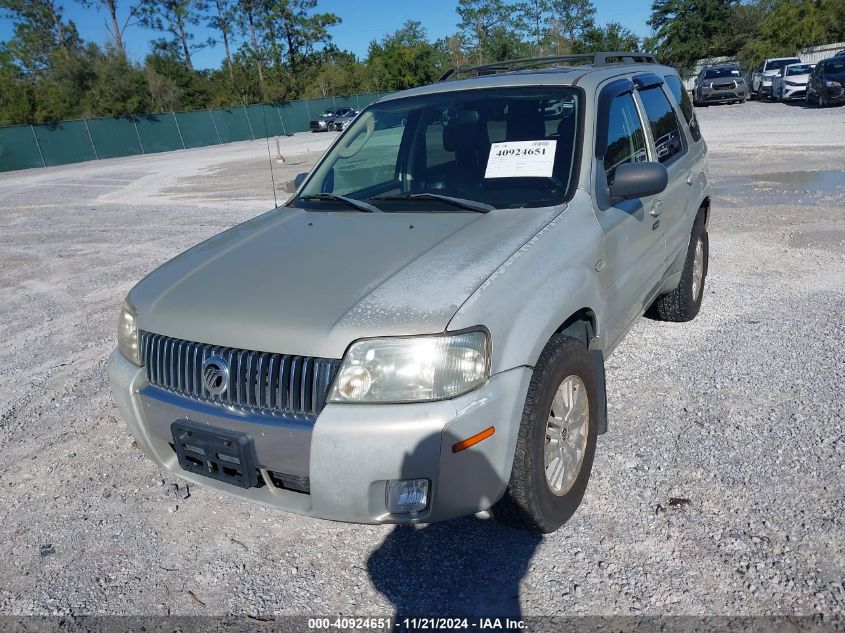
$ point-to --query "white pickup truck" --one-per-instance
(763, 75)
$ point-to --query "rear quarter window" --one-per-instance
(681, 98)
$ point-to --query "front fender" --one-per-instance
(553, 276)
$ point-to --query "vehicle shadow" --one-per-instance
(464, 567)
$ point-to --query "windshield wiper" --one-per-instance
(351, 202)
(463, 203)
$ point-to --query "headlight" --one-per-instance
(412, 369)
(831, 84)
(127, 333)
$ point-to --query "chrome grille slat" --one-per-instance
(265, 382)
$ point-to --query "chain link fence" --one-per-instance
(64, 142)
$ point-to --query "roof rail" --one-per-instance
(596, 59)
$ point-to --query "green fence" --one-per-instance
(48, 144)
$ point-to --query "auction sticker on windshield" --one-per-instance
(521, 159)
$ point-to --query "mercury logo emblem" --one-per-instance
(215, 375)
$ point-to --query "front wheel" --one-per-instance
(556, 441)
(684, 302)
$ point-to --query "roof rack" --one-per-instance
(596, 59)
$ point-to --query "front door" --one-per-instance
(633, 239)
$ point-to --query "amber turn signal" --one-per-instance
(473, 440)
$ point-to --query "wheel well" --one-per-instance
(580, 325)
(705, 206)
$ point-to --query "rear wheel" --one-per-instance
(556, 441)
(684, 302)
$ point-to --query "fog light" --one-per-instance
(407, 496)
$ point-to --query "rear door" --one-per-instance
(634, 244)
(670, 149)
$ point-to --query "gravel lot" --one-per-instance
(740, 412)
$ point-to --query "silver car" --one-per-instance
(421, 331)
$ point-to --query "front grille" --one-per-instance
(276, 384)
(726, 86)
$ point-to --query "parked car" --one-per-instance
(827, 82)
(761, 77)
(327, 118)
(791, 82)
(342, 122)
(421, 331)
(720, 84)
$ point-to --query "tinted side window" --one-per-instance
(673, 82)
(663, 122)
(625, 136)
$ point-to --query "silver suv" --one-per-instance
(421, 331)
(720, 84)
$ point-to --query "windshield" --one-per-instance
(327, 114)
(777, 64)
(719, 73)
(835, 67)
(504, 147)
(801, 69)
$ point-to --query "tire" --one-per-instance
(684, 302)
(529, 503)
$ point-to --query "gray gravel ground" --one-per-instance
(739, 412)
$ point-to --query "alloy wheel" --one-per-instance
(566, 435)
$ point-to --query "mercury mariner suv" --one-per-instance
(421, 331)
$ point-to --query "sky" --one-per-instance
(362, 21)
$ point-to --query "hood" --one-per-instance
(798, 79)
(309, 283)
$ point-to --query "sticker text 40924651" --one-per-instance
(521, 159)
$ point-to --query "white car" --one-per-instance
(791, 82)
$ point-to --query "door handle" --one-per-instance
(655, 209)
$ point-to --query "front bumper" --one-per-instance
(793, 92)
(351, 451)
(712, 95)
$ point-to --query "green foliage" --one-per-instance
(404, 59)
(279, 50)
(794, 24)
(611, 37)
(687, 30)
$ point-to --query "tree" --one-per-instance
(535, 16)
(570, 19)
(248, 16)
(490, 27)
(39, 32)
(175, 18)
(304, 31)
(405, 58)
(794, 24)
(221, 20)
(688, 30)
(115, 27)
(118, 87)
(610, 37)
(17, 99)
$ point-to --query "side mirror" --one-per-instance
(300, 178)
(638, 180)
